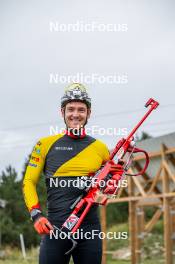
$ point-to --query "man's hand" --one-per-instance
(116, 172)
(42, 225)
(112, 185)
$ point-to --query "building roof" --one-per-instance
(154, 145)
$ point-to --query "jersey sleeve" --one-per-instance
(32, 175)
(103, 151)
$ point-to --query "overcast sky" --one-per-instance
(133, 41)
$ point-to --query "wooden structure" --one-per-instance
(157, 190)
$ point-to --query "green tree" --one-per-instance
(15, 218)
(143, 136)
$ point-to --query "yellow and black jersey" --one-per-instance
(62, 158)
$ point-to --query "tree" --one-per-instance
(143, 136)
(15, 218)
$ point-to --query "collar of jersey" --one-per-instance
(70, 134)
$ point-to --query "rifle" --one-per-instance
(85, 201)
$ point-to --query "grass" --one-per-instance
(152, 248)
(14, 256)
(109, 261)
(152, 245)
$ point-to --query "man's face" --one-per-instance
(75, 114)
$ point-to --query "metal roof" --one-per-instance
(154, 144)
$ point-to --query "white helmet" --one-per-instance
(75, 92)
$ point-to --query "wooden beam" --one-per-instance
(155, 180)
(122, 190)
(155, 154)
(150, 203)
(165, 164)
(169, 151)
(132, 222)
(169, 156)
(139, 186)
(149, 226)
(139, 198)
(145, 176)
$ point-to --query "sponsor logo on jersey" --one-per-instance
(39, 143)
(34, 158)
(37, 150)
(64, 148)
(32, 165)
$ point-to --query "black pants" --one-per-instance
(87, 251)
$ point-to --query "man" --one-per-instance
(66, 157)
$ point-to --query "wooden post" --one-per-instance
(140, 232)
(103, 226)
(142, 221)
(173, 231)
(132, 222)
(167, 217)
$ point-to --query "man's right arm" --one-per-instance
(31, 178)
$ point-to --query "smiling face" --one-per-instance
(75, 114)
